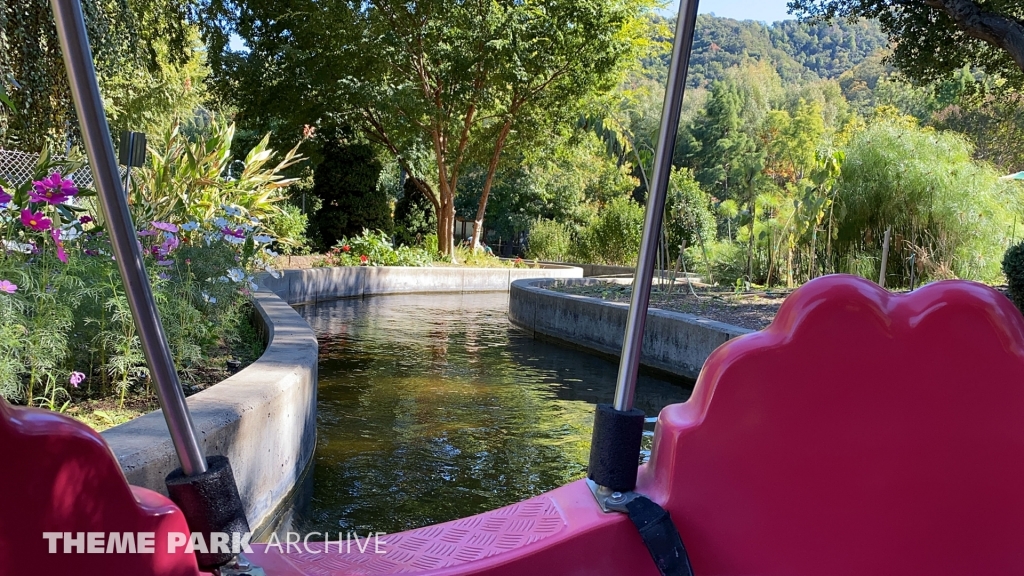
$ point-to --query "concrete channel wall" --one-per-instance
(673, 342)
(323, 284)
(264, 418)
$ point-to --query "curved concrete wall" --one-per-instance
(263, 418)
(673, 342)
(312, 285)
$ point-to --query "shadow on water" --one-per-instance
(433, 407)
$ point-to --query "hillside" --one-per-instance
(800, 52)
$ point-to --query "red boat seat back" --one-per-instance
(61, 477)
(861, 433)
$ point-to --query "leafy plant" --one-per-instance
(1013, 269)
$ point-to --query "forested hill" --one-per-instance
(799, 51)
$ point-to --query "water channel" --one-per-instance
(434, 407)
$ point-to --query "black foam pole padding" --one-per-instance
(615, 447)
(210, 503)
(660, 536)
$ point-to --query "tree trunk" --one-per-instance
(750, 242)
(492, 169)
(446, 227)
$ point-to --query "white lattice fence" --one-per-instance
(18, 167)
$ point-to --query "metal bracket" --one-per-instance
(240, 566)
(608, 500)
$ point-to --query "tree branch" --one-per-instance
(996, 29)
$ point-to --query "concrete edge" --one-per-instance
(263, 418)
(674, 342)
(312, 285)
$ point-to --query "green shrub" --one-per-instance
(613, 237)
(1013, 269)
(374, 249)
(953, 212)
(549, 240)
(346, 183)
(414, 216)
(688, 215)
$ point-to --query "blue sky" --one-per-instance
(764, 10)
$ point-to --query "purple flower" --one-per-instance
(52, 190)
(169, 245)
(147, 233)
(76, 379)
(8, 287)
(165, 262)
(4, 196)
(61, 255)
(165, 227)
(163, 276)
(35, 220)
(236, 232)
(89, 252)
(85, 219)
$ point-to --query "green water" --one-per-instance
(433, 407)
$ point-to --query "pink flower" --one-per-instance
(76, 379)
(164, 227)
(169, 244)
(8, 286)
(35, 220)
(61, 255)
(52, 190)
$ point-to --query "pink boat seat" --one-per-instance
(62, 477)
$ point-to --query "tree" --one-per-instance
(346, 183)
(720, 143)
(440, 84)
(145, 58)
(935, 38)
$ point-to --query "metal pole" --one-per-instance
(632, 343)
(74, 44)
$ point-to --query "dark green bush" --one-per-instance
(1013, 269)
(414, 216)
(346, 183)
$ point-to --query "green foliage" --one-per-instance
(346, 184)
(934, 40)
(193, 179)
(289, 228)
(66, 331)
(146, 58)
(415, 217)
(374, 248)
(952, 212)
(489, 75)
(1013, 269)
(688, 220)
(613, 237)
(549, 240)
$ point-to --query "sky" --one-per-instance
(764, 10)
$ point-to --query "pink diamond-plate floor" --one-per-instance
(440, 546)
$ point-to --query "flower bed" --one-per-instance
(67, 338)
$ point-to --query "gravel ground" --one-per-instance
(749, 310)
